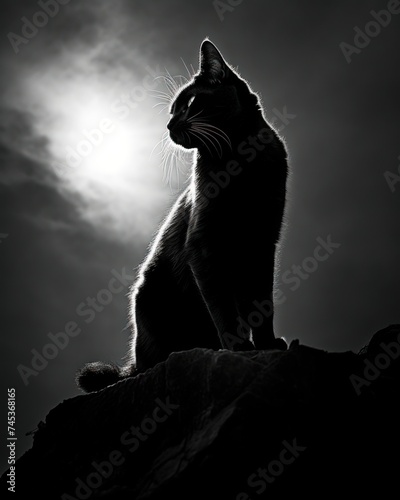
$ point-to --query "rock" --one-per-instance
(228, 425)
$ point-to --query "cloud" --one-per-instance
(63, 92)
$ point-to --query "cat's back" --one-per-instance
(168, 246)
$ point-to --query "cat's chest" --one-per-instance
(214, 220)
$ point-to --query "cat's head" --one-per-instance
(206, 110)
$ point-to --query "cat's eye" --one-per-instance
(190, 101)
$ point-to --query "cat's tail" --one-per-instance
(96, 376)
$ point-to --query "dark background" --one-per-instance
(67, 230)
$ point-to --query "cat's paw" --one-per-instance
(279, 344)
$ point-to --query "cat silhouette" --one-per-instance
(208, 277)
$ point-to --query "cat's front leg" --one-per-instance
(255, 300)
(217, 293)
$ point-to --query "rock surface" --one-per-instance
(228, 425)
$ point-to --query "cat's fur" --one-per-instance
(210, 270)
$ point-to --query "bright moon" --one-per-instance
(100, 146)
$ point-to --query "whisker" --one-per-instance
(199, 135)
(211, 132)
(171, 88)
(214, 130)
(162, 142)
(165, 99)
(172, 81)
(183, 78)
(189, 120)
(187, 69)
(164, 107)
(160, 94)
(188, 137)
(169, 76)
(168, 94)
(213, 140)
(173, 162)
(161, 104)
(209, 129)
(217, 129)
(167, 164)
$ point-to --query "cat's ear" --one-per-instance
(212, 64)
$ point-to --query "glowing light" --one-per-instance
(103, 159)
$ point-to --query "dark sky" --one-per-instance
(65, 233)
